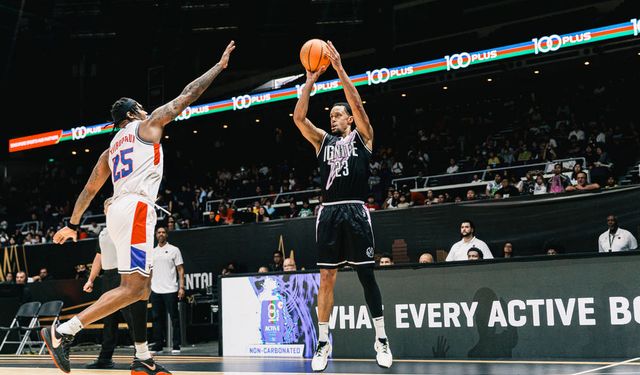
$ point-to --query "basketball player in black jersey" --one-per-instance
(344, 234)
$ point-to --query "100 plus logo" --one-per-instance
(323, 86)
(636, 26)
(554, 42)
(190, 111)
(82, 132)
(382, 75)
(245, 101)
(464, 59)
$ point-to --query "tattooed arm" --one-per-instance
(151, 128)
(99, 176)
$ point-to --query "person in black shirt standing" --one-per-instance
(344, 234)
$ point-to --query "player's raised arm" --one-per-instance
(313, 134)
(353, 98)
(151, 128)
(99, 176)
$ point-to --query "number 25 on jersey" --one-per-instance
(122, 166)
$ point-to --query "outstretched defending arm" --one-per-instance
(151, 128)
(313, 134)
(353, 98)
(99, 176)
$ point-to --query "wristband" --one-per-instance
(73, 226)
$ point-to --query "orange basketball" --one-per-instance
(314, 54)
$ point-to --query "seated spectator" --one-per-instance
(430, 197)
(540, 187)
(42, 276)
(425, 258)
(453, 167)
(551, 251)
(577, 168)
(493, 160)
(393, 201)
(82, 273)
(525, 154)
(507, 190)
(582, 184)
(269, 207)
(9, 278)
(471, 195)
(276, 266)
(94, 229)
(305, 210)
(611, 183)
(494, 185)
(459, 249)
(474, 254)
(507, 250)
(558, 183)
(526, 187)
(262, 215)
(263, 269)
(289, 265)
(403, 202)
(386, 260)
(293, 210)
(371, 203)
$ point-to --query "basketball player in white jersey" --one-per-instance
(134, 163)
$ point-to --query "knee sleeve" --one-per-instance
(371, 290)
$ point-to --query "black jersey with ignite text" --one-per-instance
(344, 168)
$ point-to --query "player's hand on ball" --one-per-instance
(224, 60)
(88, 287)
(334, 56)
(64, 234)
(313, 76)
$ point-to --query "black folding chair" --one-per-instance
(26, 317)
(50, 311)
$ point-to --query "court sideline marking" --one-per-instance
(608, 366)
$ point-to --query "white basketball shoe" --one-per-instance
(321, 357)
(383, 353)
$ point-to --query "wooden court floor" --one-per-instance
(201, 365)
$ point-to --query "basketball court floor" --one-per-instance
(202, 365)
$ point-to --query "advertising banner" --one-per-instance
(541, 307)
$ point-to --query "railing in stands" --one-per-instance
(279, 200)
(465, 177)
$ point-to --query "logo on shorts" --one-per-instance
(370, 252)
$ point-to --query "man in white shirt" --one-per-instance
(616, 239)
(167, 287)
(459, 249)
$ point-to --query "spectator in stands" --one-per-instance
(540, 187)
(453, 166)
(9, 278)
(393, 201)
(403, 202)
(263, 269)
(474, 254)
(262, 215)
(459, 249)
(494, 160)
(577, 132)
(611, 183)
(525, 154)
(471, 195)
(171, 224)
(507, 190)
(305, 211)
(386, 260)
(615, 238)
(268, 207)
(371, 204)
(276, 266)
(21, 277)
(507, 250)
(430, 197)
(577, 168)
(229, 269)
(289, 265)
(527, 186)
(551, 251)
(425, 258)
(582, 184)
(81, 272)
(397, 169)
(42, 276)
(494, 186)
(558, 183)
(293, 210)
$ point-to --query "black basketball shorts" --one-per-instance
(344, 235)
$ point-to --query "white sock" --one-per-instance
(70, 327)
(142, 350)
(323, 331)
(378, 324)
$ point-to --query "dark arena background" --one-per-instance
(520, 117)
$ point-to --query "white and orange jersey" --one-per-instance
(136, 165)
